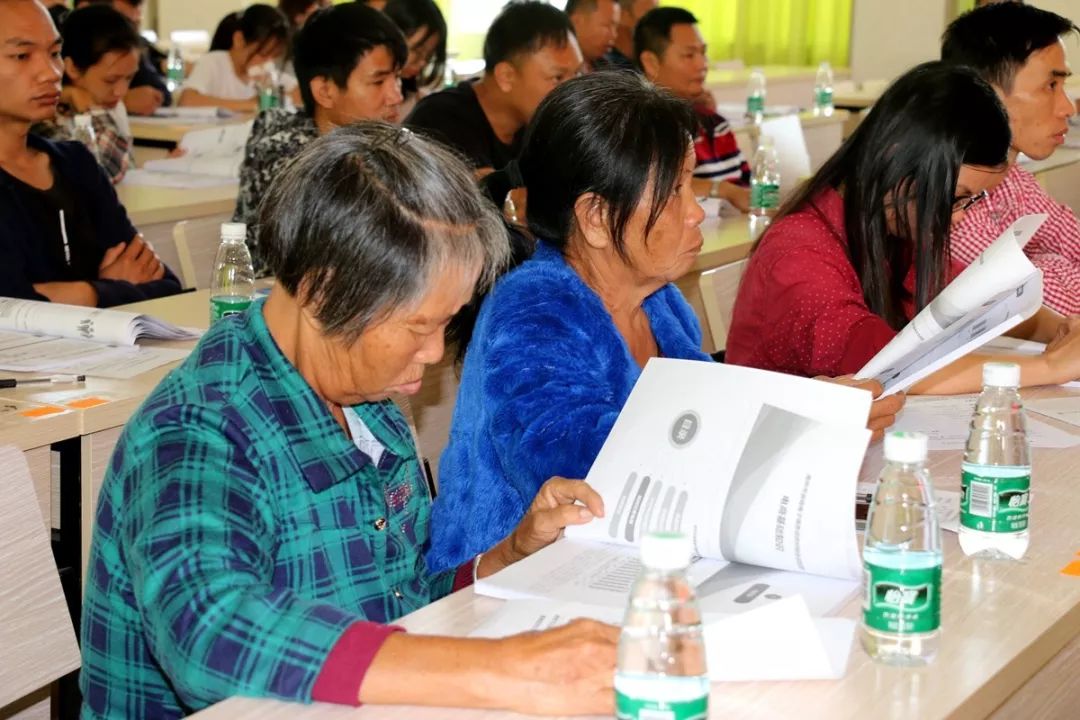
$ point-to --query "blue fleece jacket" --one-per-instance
(545, 376)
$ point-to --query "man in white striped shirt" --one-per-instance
(1018, 49)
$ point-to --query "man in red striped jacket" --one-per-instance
(1018, 49)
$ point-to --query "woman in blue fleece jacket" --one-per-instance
(560, 340)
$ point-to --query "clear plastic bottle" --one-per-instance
(232, 286)
(266, 86)
(902, 558)
(84, 133)
(764, 187)
(661, 673)
(174, 69)
(996, 472)
(823, 90)
(755, 96)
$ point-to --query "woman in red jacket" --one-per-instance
(864, 244)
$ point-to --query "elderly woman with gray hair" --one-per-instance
(264, 515)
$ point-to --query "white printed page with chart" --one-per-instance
(996, 292)
(758, 468)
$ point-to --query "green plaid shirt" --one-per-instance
(240, 532)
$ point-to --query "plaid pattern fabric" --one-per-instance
(113, 150)
(240, 532)
(1055, 248)
(277, 136)
(718, 154)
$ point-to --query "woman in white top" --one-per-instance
(244, 43)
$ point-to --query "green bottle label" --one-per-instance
(221, 307)
(904, 600)
(755, 104)
(630, 708)
(764, 195)
(994, 499)
(267, 99)
(823, 98)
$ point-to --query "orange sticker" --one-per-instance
(1072, 568)
(85, 403)
(43, 411)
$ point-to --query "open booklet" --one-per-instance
(112, 327)
(758, 468)
(216, 151)
(998, 291)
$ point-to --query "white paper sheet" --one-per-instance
(947, 420)
(20, 352)
(142, 177)
(999, 290)
(113, 327)
(1066, 409)
(787, 134)
(738, 648)
(191, 114)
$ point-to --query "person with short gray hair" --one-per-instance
(265, 514)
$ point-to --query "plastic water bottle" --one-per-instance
(266, 86)
(823, 90)
(902, 558)
(764, 187)
(232, 286)
(174, 69)
(84, 133)
(661, 673)
(996, 472)
(755, 96)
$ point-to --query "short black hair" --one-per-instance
(996, 40)
(653, 30)
(93, 31)
(260, 24)
(524, 27)
(292, 8)
(413, 15)
(367, 216)
(335, 39)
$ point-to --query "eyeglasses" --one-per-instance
(965, 202)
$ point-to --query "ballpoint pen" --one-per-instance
(53, 379)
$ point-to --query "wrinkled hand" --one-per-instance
(1062, 354)
(569, 670)
(553, 509)
(883, 410)
(135, 261)
(143, 100)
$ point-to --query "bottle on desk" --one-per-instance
(174, 69)
(661, 672)
(823, 90)
(755, 96)
(764, 187)
(996, 472)
(902, 558)
(84, 133)
(267, 86)
(232, 286)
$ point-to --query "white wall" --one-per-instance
(192, 14)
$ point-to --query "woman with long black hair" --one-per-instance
(864, 244)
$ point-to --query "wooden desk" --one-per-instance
(161, 131)
(156, 210)
(856, 96)
(785, 84)
(1009, 647)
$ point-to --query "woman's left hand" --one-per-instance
(558, 504)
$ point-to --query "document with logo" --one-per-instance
(758, 468)
(998, 291)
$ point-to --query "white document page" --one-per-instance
(996, 292)
(786, 132)
(191, 114)
(180, 180)
(113, 327)
(947, 420)
(1066, 409)
(755, 467)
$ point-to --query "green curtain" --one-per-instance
(759, 32)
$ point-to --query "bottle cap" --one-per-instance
(233, 231)
(1001, 374)
(905, 447)
(666, 551)
(83, 120)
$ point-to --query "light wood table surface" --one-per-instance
(785, 84)
(148, 206)
(172, 130)
(1009, 646)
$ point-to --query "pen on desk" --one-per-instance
(53, 379)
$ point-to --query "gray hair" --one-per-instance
(366, 217)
